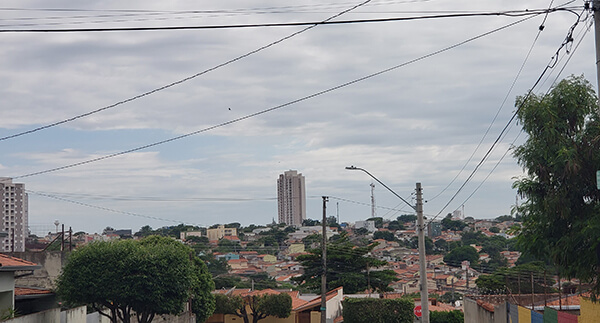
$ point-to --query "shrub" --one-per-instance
(373, 310)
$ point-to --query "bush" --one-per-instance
(447, 317)
(373, 310)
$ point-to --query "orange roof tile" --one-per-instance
(570, 300)
(22, 291)
(317, 301)
(7, 261)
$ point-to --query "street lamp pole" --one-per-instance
(421, 238)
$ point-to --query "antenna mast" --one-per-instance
(372, 200)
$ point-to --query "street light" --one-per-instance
(421, 234)
(378, 181)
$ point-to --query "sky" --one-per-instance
(209, 118)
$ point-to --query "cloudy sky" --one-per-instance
(292, 105)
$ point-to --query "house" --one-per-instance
(8, 268)
(302, 311)
(238, 264)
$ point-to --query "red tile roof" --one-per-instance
(7, 261)
(317, 301)
(570, 300)
(23, 291)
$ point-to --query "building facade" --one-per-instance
(14, 210)
(220, 231)
(291, 198)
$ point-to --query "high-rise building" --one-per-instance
(14, 211)
(291, 198)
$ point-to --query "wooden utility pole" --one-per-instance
(324, 254)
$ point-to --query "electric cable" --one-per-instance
(277, 107)
(515, 13)
(516, 138)
(280, 40)
(567, 40)
(110, 209)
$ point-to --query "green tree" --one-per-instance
(310, 222)
(495, 230)
(458, 255)
(226, 245)
(236, 225)
(504, 218)
(255, 307)
(455, 316)
(516, 280)
(473, 237)
(361, 231)
(405, 218)
(429, 245)
(215, 266)
(312, 239)
(441, 245)
(385, 235)
(561, 214)
(453, 225)
(347, 266)
(146, 277)
(451, 297)
(395, 225)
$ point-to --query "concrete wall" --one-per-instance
(590, 311)
(96, 318)
(7, 284)
(51, 262)
(49, 316)
(476, 314)
(74, 315)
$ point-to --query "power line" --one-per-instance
(182, 80)
(513, 142)
(255, 114)
(515, 13)
(540, 29)
(568, 39)
(108, 209)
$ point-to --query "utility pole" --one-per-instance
(422, 258)
(421, 238)
(596, 10)
(324, 253)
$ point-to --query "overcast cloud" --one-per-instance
(418, 123)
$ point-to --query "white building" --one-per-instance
(369, 225)
(14, 210)
(291, 198)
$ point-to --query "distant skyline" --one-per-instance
(419, 100)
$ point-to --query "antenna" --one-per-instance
(372, 200)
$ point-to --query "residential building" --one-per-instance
(291, 198)
(185, 234)
(434, 229)
(369, 225)
(14, 211)
(219, 232)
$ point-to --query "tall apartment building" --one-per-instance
(14, 211)
(291, 198)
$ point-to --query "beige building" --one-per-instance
(220, 232)
(14, 211)
(291, 198)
